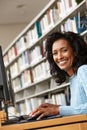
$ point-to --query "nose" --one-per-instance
(59, 55)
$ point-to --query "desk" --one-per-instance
(78, 122)
(2, 117)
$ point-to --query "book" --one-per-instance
(38, 27)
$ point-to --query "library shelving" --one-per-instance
(25, 56)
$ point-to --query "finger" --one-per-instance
(40, 113)
(32, 113)
(42, 116)
(37, 112)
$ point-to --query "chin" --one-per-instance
(63, 68)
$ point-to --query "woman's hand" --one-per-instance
(45, 109)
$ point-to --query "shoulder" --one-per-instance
(82, 71)
(82, 76)
(82, 68)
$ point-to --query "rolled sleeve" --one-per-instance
(71, 110)
(66, 110)
(82, 76)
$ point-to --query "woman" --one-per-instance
(67, 56)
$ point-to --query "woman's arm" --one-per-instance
(70, 110)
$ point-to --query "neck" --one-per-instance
(71, 72)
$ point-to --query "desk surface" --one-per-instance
(47, 123)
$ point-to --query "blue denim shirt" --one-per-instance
(78, 88)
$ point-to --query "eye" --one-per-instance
(54, 53)
(64, 50)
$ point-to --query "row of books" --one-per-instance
(49, 19)
(21, 44)
(35, 54)
(24, 80)
(12, 53)
(40, 71)
(29, 76)
(27, 56)
(76, 24)
(65, 6)
(26, 60)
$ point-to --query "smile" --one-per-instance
(62, 62)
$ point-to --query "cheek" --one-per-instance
(72, 59)
(54, 58)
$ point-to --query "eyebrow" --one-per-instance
(60, 48)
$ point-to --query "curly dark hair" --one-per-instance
(78, 45)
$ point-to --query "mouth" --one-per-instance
(62, 62)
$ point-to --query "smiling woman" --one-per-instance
(63, 55)
(67, 56)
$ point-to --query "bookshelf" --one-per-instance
(25, 58)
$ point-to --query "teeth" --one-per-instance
(62, 62)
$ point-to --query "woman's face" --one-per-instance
(63, 55)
